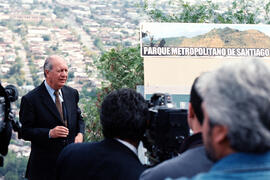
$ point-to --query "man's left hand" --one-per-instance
(79, 138)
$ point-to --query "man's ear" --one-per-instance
(220, 141)
(46, 72)
(219, 134)
(191, 113)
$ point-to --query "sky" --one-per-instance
(165, 30)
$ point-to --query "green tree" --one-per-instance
(14, 167)
(91, 118)
(61, 12)
(120, 68)
(79, 20)
(240, 11)
(15, 73)
(71, 75)
(16, 68)
(98, 43)
(46, 37)
(34, 71)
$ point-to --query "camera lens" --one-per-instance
(12, 93)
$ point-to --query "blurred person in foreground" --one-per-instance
(236, 127)
(123, 118)
(192, 159)
(51, 119)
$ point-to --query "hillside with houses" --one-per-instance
(80, 31)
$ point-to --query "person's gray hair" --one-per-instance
(237, 95)
(48, 64)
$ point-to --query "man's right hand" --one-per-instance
(58, 131)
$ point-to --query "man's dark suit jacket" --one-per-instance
(38, 114)
(108, 159)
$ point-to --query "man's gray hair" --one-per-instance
(237, 95)
(48, 64)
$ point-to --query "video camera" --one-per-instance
(167, 129)
(7, 118)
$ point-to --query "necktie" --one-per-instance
(59, 105)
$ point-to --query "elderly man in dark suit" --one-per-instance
(123, 119)
(51, 119)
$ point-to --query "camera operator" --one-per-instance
(192, 159)
(7, 122)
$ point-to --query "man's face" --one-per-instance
(57, 77)
(207, 136)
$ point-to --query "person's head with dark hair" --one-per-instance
(123, 115)
(196, 101)
(195, 114)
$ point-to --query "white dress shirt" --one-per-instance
(130, 146)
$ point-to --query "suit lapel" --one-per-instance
(48, 102)
(67, 102)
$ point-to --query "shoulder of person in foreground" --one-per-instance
(71, 154)
(71, 160)
(211, 175)
(187, 164)
(79, 148)
(201, 176)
